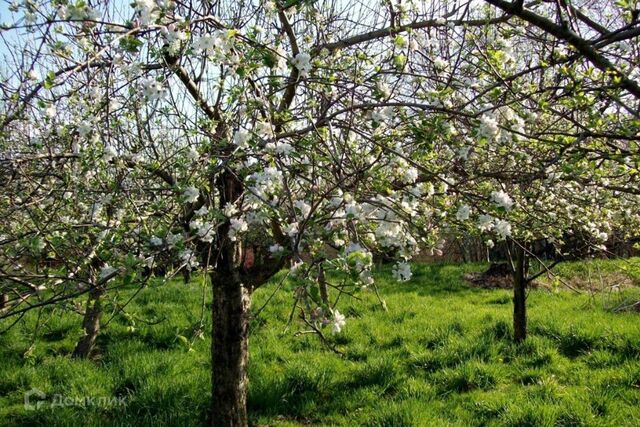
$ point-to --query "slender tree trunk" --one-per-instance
(230, 355)
(186, 275)
(519, 296)
(4, 300)
(90, 324)
(322, 283)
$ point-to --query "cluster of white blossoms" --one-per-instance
(291, 229)
(78, 12)
(241, 137)
(51, 111)
(488, 128)
(440, 64)
(499, 226)
(238, 226)
(303, 207)
(204, 230)
(383, 115)
(388, 233)
(153, 90)
(218, 44)
(189, 259)
(264, 130)
(191, 194)
(485, 222)
(192, 154)
(283, 148)
(383, 89)
(463, 213)
(147, 11)
(84, 128)
(265, 183)
(440, 20)
(230, 209)
(302, 62)
(405, 172)
(402, 271)
(109, 153)
(502, 228)
(502, 199)
(276, 249)
(173, 239)
(354, 211)
(174, 37)
(338, 322)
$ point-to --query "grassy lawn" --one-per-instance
(440, 355)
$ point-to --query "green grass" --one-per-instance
(440, 355)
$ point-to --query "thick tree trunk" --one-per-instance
(519, 296)
(90, 324)
(230, 356)
(230, 313)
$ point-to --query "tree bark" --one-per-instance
(230, 315)
(90, 324)
(4, 301)
(230, 355)
(519, 296)
(322, 283)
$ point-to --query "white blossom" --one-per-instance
(202, 211)
(485, 222)
(339, 321)
(191, 194)
(193, 154)
(302, 62)
(230, 209)
(502, 229)
(189, 259)
(109, 153)
(502, 199)
(402, 271)
(488, 127)
(241, 137)
(303, 207)
(238, 226)
(276, 248)
(440, 64)
(463, 213)
(153, 90)
(291, 229)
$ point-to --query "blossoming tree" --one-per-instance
(239, 138)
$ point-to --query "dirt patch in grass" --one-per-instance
(497, 276)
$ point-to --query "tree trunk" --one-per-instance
(90, 324)
(4, 301)
(322, 283)
(186, 275)
(230, 356)
(519, 296)
(230, 314)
